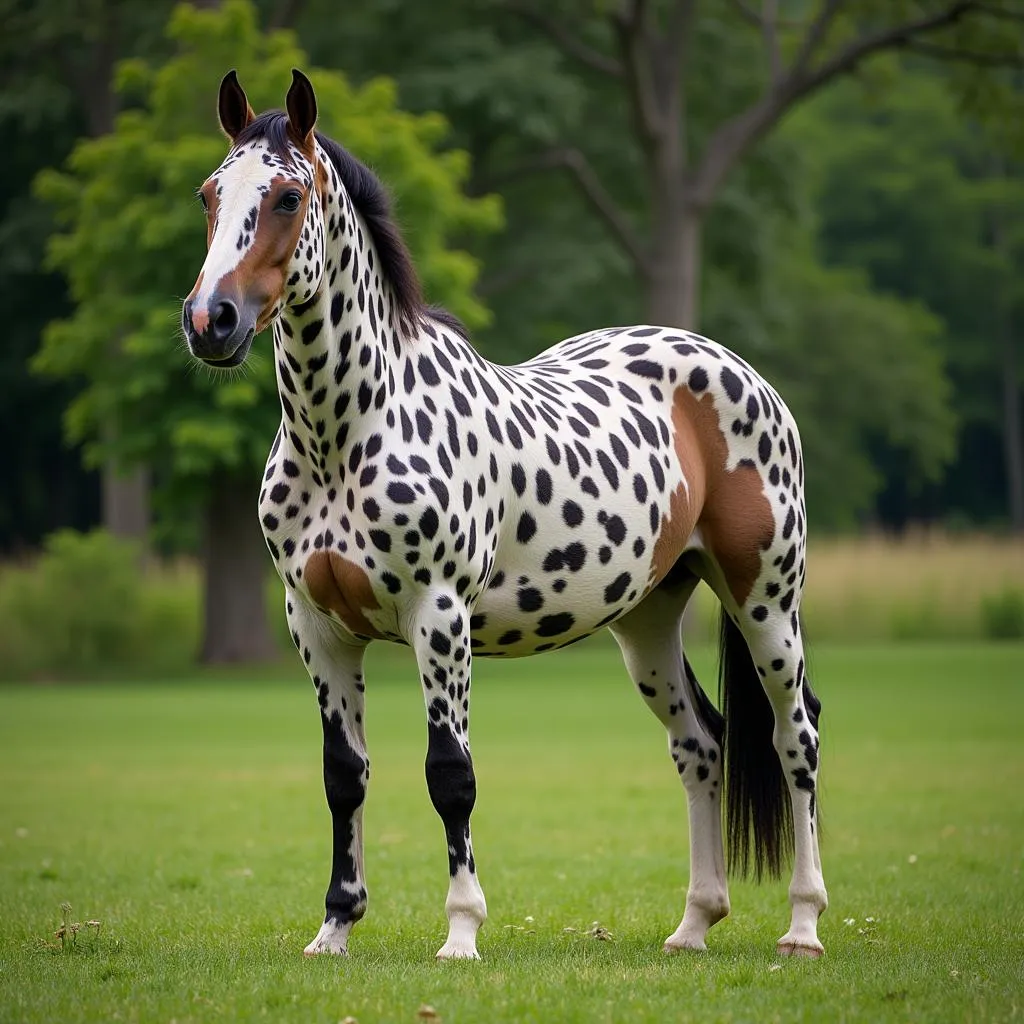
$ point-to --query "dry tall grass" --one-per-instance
(926, 585)
(84, 608)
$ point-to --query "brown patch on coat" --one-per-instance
(321, 180)
(684, 506)
(730, 506)
(340, 586)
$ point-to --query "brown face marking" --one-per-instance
(200, 317)
(261, 271)
(209, 192)
(731, 507)
(341, 586)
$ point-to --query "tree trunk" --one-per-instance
(673, 281)
(1013, 442)
(125, 502)
(235, 624)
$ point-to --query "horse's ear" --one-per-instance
(301, 106)
(232, 106)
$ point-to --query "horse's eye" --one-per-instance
(290, 201)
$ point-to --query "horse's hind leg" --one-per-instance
(651, 643)
(770, 624)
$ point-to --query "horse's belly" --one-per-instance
(547, 593)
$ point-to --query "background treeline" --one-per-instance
(832, 189)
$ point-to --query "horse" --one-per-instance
(421, 494)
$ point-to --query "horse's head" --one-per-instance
(265, 224)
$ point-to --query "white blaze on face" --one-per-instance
(240, 184)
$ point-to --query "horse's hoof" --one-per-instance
(314, 950)
(457, 951)
(330, 939)
(800, 947)
(677, 944)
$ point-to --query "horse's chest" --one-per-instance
(319, 548)
(364, 548)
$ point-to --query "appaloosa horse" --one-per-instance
(418, 493)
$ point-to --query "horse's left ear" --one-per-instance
(301, 105)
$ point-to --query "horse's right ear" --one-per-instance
(232, 106)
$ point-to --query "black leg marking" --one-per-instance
(451, 783)
(345, 777)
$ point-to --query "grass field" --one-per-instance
(189, 819)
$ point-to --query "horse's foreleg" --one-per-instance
(651, 643)
(441, 642)
(336, 671)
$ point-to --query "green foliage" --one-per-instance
(134, 239)
(1002, 614)
(85, 607)
(857, 367)
(922, 202)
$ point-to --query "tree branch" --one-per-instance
(739, 133)
(1000, 12)
(983, 60)
(748, 12)
(770, 31)
(570, 159)
(640, 62)
(680, 24)
(896, 36)
(564, 39)
(816, 33)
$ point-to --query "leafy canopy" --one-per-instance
(134, 238)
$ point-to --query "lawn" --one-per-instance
(188, 818)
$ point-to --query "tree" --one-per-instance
(133, 244)
(655, 52)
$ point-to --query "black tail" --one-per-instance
(758, 813)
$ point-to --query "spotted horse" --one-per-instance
(418, 493)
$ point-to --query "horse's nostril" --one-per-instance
(186, 316)
(225, 320)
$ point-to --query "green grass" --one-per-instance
(189, 819)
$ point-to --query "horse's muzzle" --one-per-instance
(220, 336)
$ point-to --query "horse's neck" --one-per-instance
(334, 354)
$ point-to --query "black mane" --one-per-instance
(373, 203)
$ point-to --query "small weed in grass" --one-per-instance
(66, 935)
